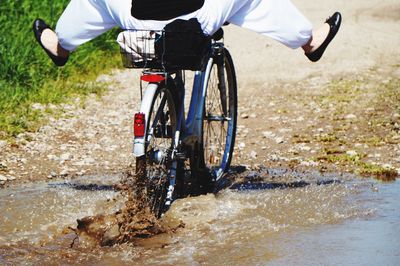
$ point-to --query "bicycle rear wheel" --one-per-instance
(220, 116)
(153, 166)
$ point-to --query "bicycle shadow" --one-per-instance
(84, 187)
(240, 179)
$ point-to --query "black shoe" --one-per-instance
(38, 27)
(334, 24)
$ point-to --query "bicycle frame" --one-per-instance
(194, 120)
(193, 123)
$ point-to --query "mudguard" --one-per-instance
(139, 143)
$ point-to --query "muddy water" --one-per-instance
(279, 219)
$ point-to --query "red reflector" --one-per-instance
(152, 78)
(139, 125)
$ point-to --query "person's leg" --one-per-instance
(277, 19)
(282, 21)
(215, 13)
(81, 21)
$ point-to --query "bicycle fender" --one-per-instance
(194, 122)
(139, 143)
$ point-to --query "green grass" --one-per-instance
(376, 171)
(362, 168)
(28, 76)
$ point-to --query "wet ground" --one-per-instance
(275, 216)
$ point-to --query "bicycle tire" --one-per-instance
(219, 119)
(154, 165)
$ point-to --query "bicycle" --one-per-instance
(166, 142)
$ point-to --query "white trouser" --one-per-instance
(83, 20)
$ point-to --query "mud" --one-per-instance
(132, 222)
(261, 215)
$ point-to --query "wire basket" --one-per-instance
(164, 50)
(137, 48)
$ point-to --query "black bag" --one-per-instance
(163, 9)
(183, 45)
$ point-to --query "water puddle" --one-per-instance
(371, 237)
(267, 216)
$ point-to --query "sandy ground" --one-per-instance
(292, 113)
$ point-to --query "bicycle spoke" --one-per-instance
(220, 116)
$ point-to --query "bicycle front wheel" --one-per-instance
(220, 116)
(153, 166)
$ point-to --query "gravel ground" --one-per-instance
(340, 114)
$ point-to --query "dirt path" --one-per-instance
(342, 112)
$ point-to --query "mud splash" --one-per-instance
(134, 221)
